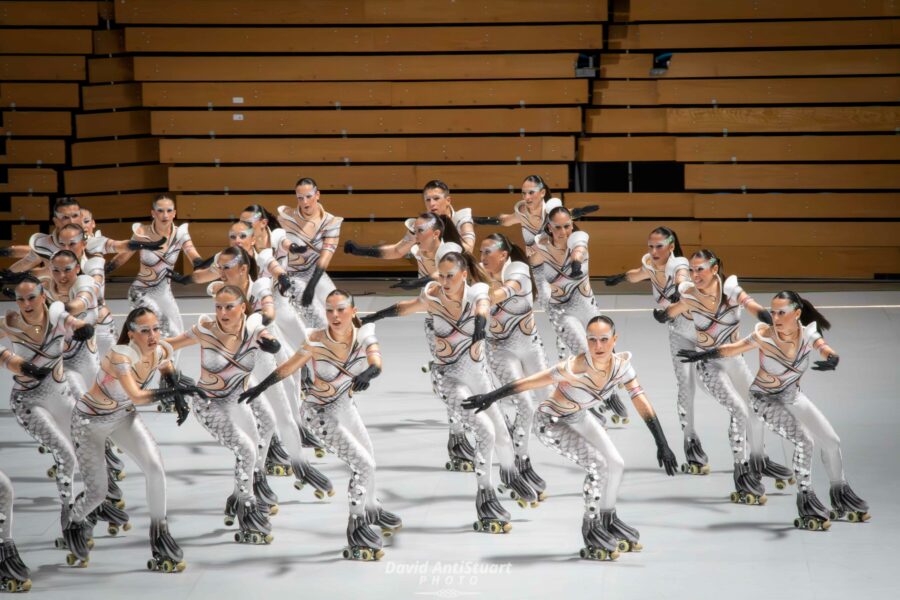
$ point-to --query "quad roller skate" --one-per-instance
(766, 467)
(310, 440)
(114, 464)
(846, 504)
(14, 575)
(461, 453)
(748, 486)
(697, 463)
(599, 543)
(628, 537)
(167, 555)
(116, 518)
(308, 474)
(264, 493)
(254, 524)
(230, 510)
(114, 492)
(523, 464)
(519, 490)
(389, 522)
(813, 515)
(492, 517)
(363, 542)
(278, 463)
(617, 407)
(76, 536)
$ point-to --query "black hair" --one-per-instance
(133, 316)
(64, 202)
(74, 226)
(436, 184)
(164, 196)
(710, 256)
(539, 181)
(234, 251)
(339, 292)
(66, 254)
(808, 312)
(238, 292)
(306, 181)
(553, 213)
(444, 224)
(670, 233)
(602, 319)
(515, 254)
(262, 211)
(466, 261)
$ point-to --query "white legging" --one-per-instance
(6, 507)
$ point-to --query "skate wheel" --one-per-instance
(522, 503)
(25, 585)
(12, 586)
(542, 496)
(181, 566)
(229, 521)
(159, 408)
(51, 473)
(779, 484)
(762, 500)
(624, 546)
(798, 523)
(254, 538)
(704, 470)
(237, 537)
(468, 467)
(167, 566)
(298, 485)
(126, 527)
(42, 449)
(120, 475)
(735, 497)
(346, 553)
(90, 544)
(864, 517)
(320, 453)
(833, 515)
(812, 524)
(495, 527)
(273, 510)
(625, 420)
(119, 504)
(535, 504)
(59, 544)
(616, 419)
(151, 565)
(685, 469)
(379, 554)
(853, 517)
(365, 554)
(476, 525)
(792, 480)
(448, 465)
(268, 538)
(583, 553)
(112, 530)
(70, 559)
(507, 527)
(826, 525)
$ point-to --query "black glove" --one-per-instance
(83, 333)
(6, 251)
(675, 298)
(296, 248)
(765, 316)
(350, 247)
(13, 277)
(486, 220)
(479, 332)
(110, 267)
(689, 356)
(141, 245)
(203, 263)
(576, 269)
(577, 213)
(269, 345)
(310, 292)
(829, 364)
(411, 284)
(254, 391)
(664, 454)
(361, 381)
(661, 315)
(30, 370)
(284, 284)
(182, 386)
(390, 311)
(180, 278)
(615, 279)
(267, 320)
(480, 402)
(8, 292)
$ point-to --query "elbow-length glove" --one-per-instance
(30, 370)
(361, 382)
(254, 391)
(479, 332)
(351, 247)
(203, 263)
(689, 356)
(829, 364)
(480, 402)
(390, 311)
(83, 333)
(575, 269)
(412, 284)
(180, 277)
(661, 315)
(664, 455)
(486, 220)
(310, 291)
(615, 279)
(180, 386)
(269, 345)
(144, 245)
(578, 213)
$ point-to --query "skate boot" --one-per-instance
(14, 575)
(363, 542)
(492, 517)
(461, 453)
(166, 554)
(766, 467)
(308, 474)
(845, 503)
(617, 407)
(389, 522)
(278, 463)
(599, 543)
(697, 461)
(114, 464)
(264, 493)
(628, 537)
(813, 515)
(310, 440)
(523, 463)
(113, 491)
(519, 490)
(116, 518)
(598, 414)
(254, 524)
(76, 536)
(748, 486)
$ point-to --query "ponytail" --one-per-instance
(467, 262)
(673, 239)
(245, 259)
(261, 212)
(808, 312)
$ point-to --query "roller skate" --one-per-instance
(308, 474)
(363, 542)
(813, 515)
(310, 440)
(617, 407)
(51, 472)
(523, 463)
(845, 503)
(629, 537)
(166, 554)
(114, 492)
(116, 518)
(519, 490)
(766, 467)
(254, 524)
(230, 509)
(264, 493)
(599, 543)
(278, 463)
(492, 517)
(76, 536)
(697, 461)
(389, 522)
(461, 453)
(14, 575)
(426, 368)
(748, 486)
(114, 464)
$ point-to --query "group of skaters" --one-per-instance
(283, 353)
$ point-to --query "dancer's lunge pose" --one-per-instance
(580, 382)
(14, 575)
(107, 411)
(666, 268)
(785, 348)
(345, 358)
(715, 307)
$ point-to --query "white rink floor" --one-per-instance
(697, 544)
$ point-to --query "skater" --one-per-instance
(14, 575)
(581, 381)
(715, 307)
(345, 358)
(437, 198)
(460, 314)
(665, 267)
(785, 348)
(107, 411)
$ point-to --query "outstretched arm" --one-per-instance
(664, 455)
(723, 351)
(401, 309)
(632, 276)
(504, 220)
(285, 369)
(480, 402)
(387, 251)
